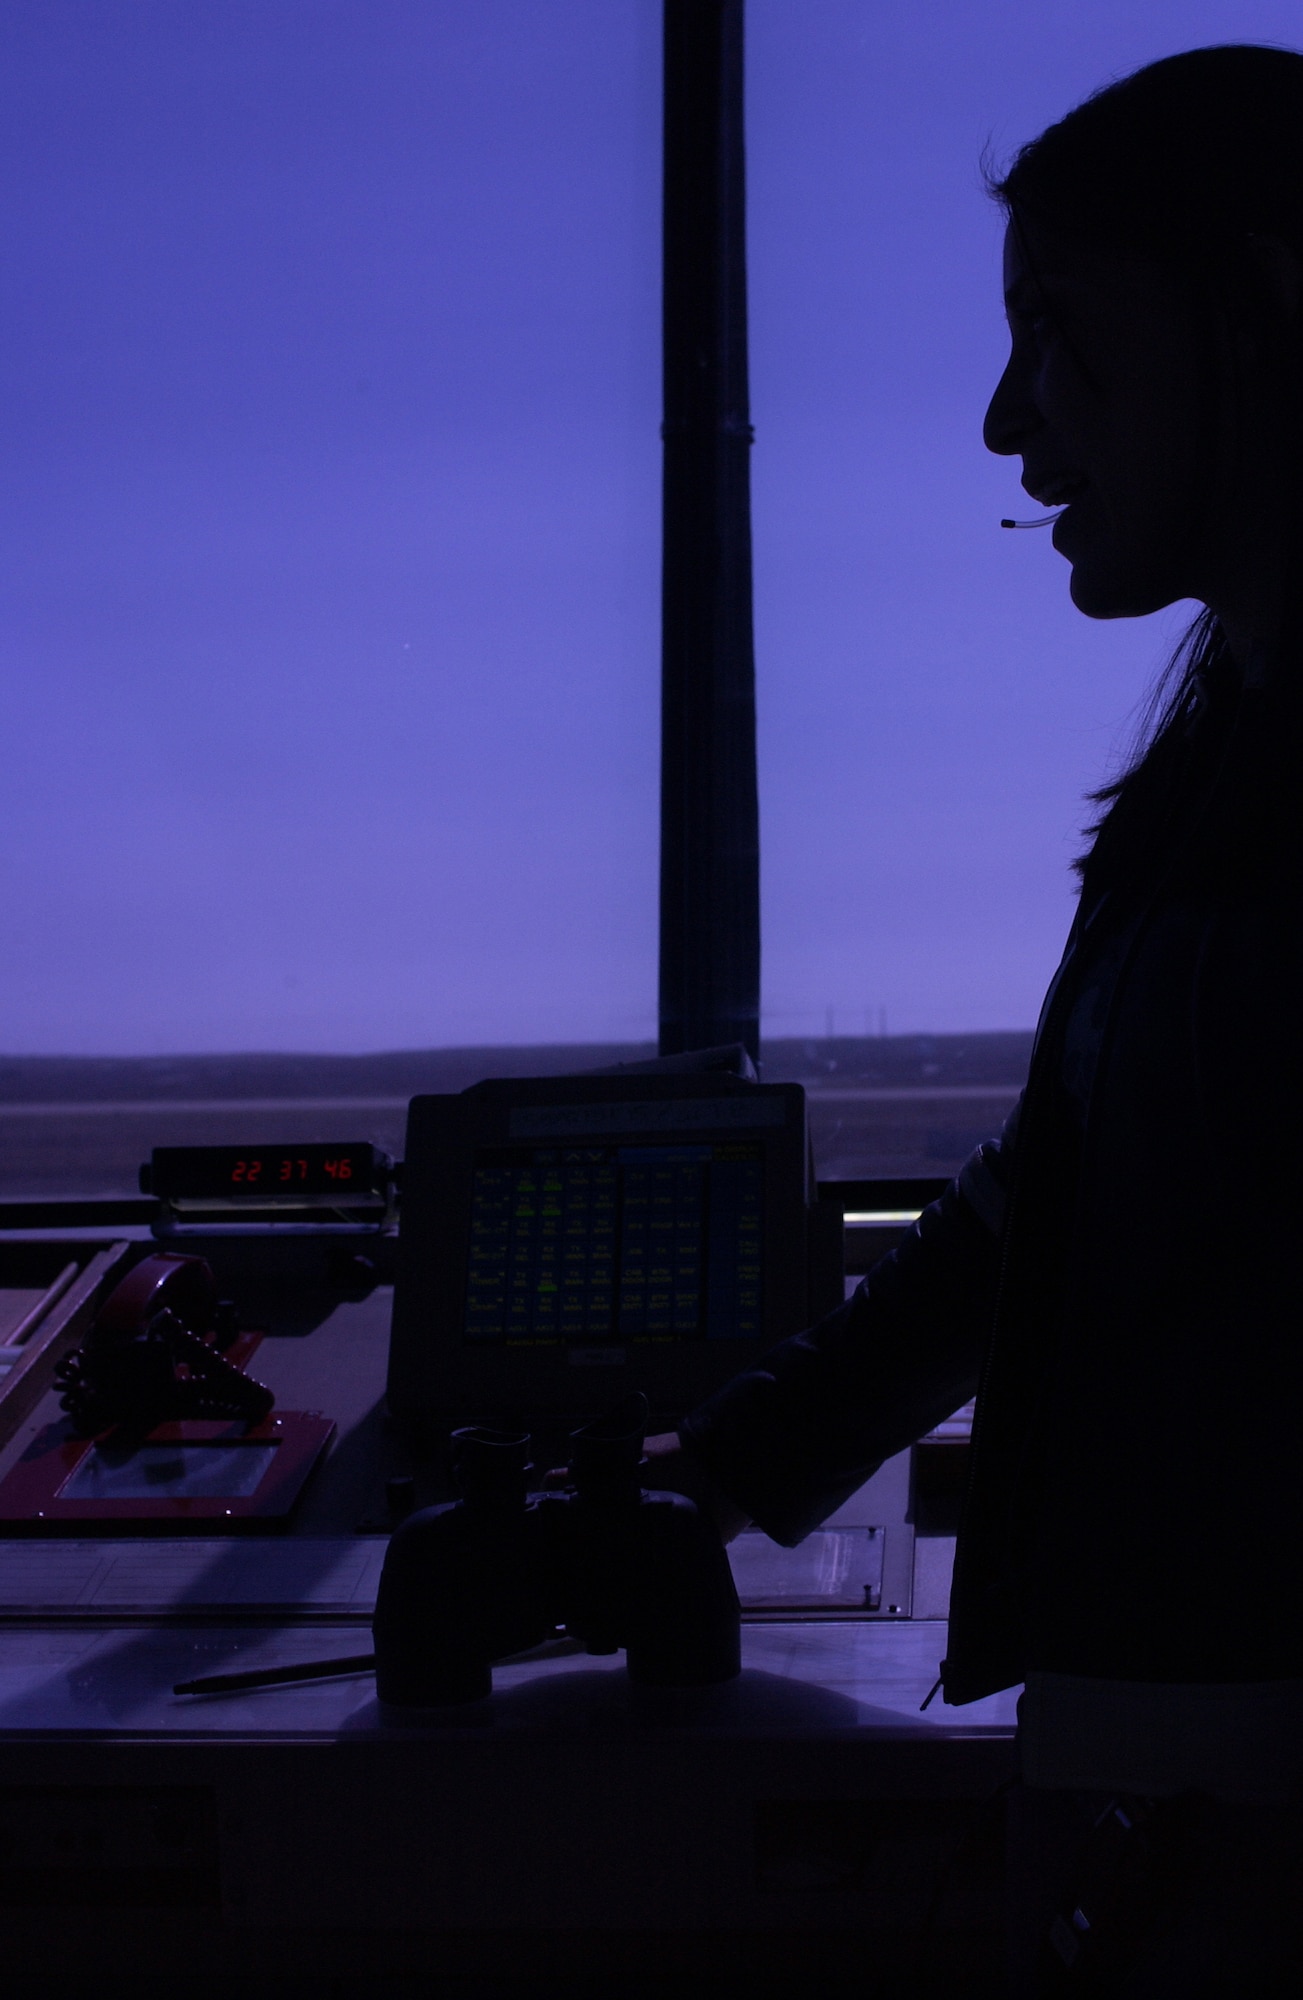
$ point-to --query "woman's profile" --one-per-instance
(1118, 1278)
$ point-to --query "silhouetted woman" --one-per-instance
(1119, 1279)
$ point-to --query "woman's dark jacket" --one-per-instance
(1118, 1279)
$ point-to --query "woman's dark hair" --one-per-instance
(1184, 162)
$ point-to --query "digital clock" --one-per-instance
(314, 1176)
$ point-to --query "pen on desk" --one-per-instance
(306, 1670)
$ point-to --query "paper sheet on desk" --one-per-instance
(832, 1569)
(159, 1578)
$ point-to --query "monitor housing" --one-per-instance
(564, 1240)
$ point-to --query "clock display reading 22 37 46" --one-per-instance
(347, 1174)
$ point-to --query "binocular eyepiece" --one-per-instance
(492, 1467)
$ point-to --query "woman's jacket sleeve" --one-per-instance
(793, 1437)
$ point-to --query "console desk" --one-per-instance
(571, 1833)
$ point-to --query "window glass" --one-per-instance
(329, 522)
(932, 710)
(329, 561)
(329, 554)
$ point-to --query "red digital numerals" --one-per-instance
(248, 1173)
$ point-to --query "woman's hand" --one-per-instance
(671, 1470)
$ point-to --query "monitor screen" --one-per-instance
(643, 1243)
(564, 1239)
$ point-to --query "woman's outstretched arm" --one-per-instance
(788, 1440)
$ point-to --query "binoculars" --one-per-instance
(498, 1571)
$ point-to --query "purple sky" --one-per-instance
(329, 496)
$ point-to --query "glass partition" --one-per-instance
(329, 563)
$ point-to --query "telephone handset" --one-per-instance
(164, 1431)
(163, 1347)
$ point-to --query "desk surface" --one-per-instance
(571, 1820)
(86, 1643)
(114, 1677)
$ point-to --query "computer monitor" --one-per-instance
(563, 1240)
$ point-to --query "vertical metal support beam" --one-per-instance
(710, 861)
